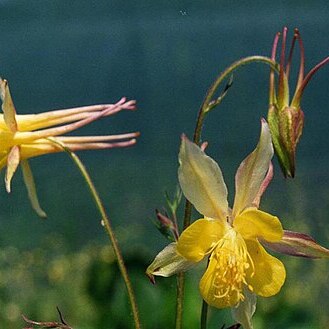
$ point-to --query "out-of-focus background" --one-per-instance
(60, 54)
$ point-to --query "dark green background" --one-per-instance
(165, 54)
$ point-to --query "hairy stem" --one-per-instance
(180, 300)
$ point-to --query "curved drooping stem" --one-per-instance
(208, 104)
(108, 228)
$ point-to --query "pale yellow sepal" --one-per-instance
(168, 262)
(12, 164)
(8, 107)
(252, 171)
(298, 244)
(31, 189)
(202, 181)
(244, 311)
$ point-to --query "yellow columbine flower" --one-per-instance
(30, 135)
(230, 238)
(239, 268)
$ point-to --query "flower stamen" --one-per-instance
(232, 262)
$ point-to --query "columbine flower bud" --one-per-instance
(285, 116)
(166, 226)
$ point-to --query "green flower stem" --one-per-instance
(206, 106)
(204, 314)
(108, 229)
(180, 300)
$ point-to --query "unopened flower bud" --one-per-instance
(285, 116)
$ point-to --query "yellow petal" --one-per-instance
(253, 223)
(200, 238)
(8, 107)
(202, 181)
(267, 275)
(216, 293)
(252, 171)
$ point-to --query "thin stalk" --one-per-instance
(204, 314)
(204, 109)
(180, 300)
(212, 90)
(108, 228)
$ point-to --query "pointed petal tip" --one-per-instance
(264, 123)
(204, 145)
(128, 105)
(7, 185)
(42, 214)
(184, 141)
(150, 277)
(122, 100)
(265, 128)
(288, 172)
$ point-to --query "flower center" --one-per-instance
(232, 261)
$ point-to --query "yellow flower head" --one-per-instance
(30, 135)
(239, 268)
(230, 238)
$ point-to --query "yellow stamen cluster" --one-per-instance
(232, 261)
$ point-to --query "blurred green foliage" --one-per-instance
(87, 288)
